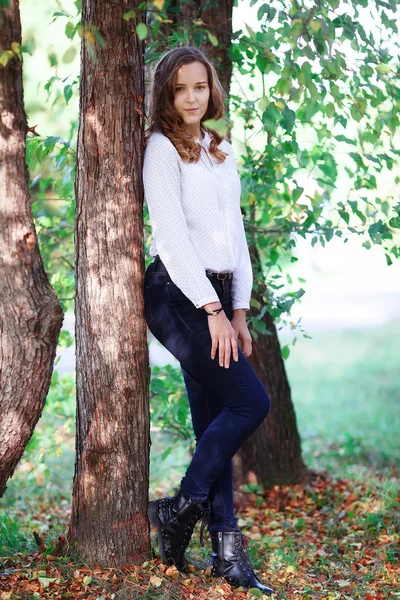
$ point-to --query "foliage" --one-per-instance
(324, 539)
(52, 168)
(169, 406)
(46, 465)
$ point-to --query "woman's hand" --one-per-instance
(240, 326)
(224, 338)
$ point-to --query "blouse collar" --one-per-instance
(206, 139)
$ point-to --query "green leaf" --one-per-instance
(68, 93)
(70, 30)
(375, 227)
(69, 55)
(141, 30)
(343, 138)
(255, 593)
(330, 109)
(166, 452)
(297, 192)
(5, 57)
(395, 222)
(289, 119)
(263, 103)
(260, 326)
(130, 14)
(345, 216)
(220, 125)
(383, 69)
(212, 38)
(285, 351)
(329, 234)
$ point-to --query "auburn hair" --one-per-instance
(162, 114)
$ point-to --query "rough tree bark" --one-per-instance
(30, 315)
(109, 524)
(272, 455)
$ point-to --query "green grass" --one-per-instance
(346, 392)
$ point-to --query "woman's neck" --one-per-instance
(202, 135)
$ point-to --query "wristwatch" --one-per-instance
(215, 311)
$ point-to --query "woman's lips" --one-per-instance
(190, 110)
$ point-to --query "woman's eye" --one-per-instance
(199, 87)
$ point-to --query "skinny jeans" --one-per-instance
(226, 404)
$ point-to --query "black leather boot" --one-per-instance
(175, 518)
(230, 559)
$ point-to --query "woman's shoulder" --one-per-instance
(157, 138)
(226, 146)
(158, 144)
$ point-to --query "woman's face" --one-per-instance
(192, 92)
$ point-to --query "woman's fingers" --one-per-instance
(214, 347)
(235, 347)
(247, 348)
(221, 345)
(227, 352)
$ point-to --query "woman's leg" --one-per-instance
(204, 408)
(183, 330)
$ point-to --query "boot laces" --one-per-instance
(204, 524)
(243, 551)
(205, 511)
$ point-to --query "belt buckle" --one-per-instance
(223, 276)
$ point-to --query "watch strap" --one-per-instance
(214, 312)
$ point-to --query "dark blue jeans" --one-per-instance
(226, 405)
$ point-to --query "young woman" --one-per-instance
(197, 291)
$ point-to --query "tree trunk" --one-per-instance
(109, 524)
(30, 315)
(272, 455)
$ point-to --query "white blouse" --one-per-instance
(196, 221)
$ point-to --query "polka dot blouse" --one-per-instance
(196, 221)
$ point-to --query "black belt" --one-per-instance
(217, 274)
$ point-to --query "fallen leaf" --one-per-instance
(290, 569)
(46, 581)
(156, 581)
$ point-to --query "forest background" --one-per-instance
(343, 372)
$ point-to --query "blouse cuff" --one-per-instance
(207, 300)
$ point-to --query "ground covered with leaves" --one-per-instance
(325, 539)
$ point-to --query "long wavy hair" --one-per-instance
(162, 114)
